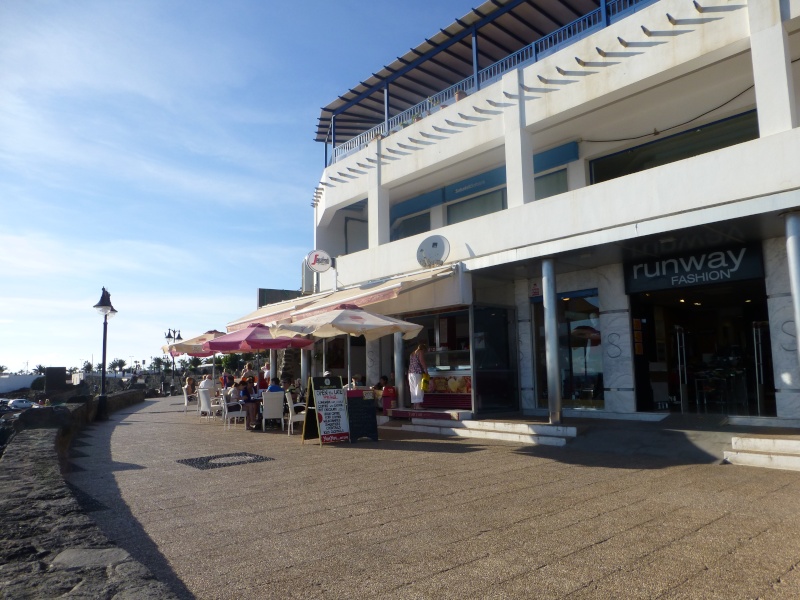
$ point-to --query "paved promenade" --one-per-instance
(424, 517)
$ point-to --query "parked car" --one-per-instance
(20, 403)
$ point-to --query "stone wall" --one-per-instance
(50, 547)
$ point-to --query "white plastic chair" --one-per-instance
(294, 417)
(185, 400)
(232, 415)
(204, 404)
(272, 408)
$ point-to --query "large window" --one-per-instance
(476, 206)
(409, 226)
(550, 184)
(580, 358)
(699, 140)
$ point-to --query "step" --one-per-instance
(766, 460)
(766, 444)
(541, 440)
(429, 413)
(540, 429)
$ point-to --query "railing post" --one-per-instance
(604, 13)
(386, 109)
(475, 68)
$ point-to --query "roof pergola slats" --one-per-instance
(501, 27)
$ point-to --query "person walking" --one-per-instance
(416, 369)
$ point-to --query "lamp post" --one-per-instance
(173, 335)
(104, 308)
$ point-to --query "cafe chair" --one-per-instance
(272, 408)
(205, 404)
(235, 411)
(185, 400)
(293, 416)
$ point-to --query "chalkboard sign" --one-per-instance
(363, 421)
(326, 411)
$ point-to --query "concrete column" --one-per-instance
(617, 340)
(438, 217)
(522, 300)
(373, 362)
(399, 370)
(772, 68)
(577, 174)
(793, 254)
(551, 340)
(518, 143)
(782, 328)
(273, 363)
(377, 205)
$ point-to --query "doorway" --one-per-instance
(704, 349)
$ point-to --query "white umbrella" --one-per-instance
(347, 319)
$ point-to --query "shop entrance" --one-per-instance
(704, 349)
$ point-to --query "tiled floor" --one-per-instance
(413, 516)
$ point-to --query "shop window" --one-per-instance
(409, 226)
(550, 184)
(694, 142)
(579, 347)
(476, 206)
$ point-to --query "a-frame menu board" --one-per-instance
(326, 411)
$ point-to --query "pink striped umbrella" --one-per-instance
(252, 338)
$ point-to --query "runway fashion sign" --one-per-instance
(700, 268)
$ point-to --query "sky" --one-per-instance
(163, 149)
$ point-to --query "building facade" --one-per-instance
(601, 221)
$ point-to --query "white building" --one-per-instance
(611, 205)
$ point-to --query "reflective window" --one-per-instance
(579, 347)
(409, 226)
(698, 140)
(550, 184)
(476, 207)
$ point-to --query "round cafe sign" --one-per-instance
(319, 261)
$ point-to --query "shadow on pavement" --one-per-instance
(117, 522)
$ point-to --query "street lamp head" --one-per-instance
(178, 338)
(104, 306)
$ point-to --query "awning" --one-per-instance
(272, 313)
(373, 292)
(361, 295)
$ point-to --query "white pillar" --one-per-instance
(518, 143)
(377, 205)
(793, 254)
(772, 68)
(273, 363)
(522, 299)
(373, 361)
(551, 340)
(305, 359)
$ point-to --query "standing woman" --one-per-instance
(416, 369)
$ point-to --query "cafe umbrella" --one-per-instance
(194, 346)
(351, 320)
(253, 338)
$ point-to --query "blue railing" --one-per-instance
(569, 34)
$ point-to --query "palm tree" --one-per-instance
(3, 369)
(40, 369)
(87, 367)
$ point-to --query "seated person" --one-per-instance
(274, 385)
(191, 388)
(233, 396)
(207, 383)
(287, 386)
(251, 402)
(382, 383)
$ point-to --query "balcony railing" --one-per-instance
(569, 34)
